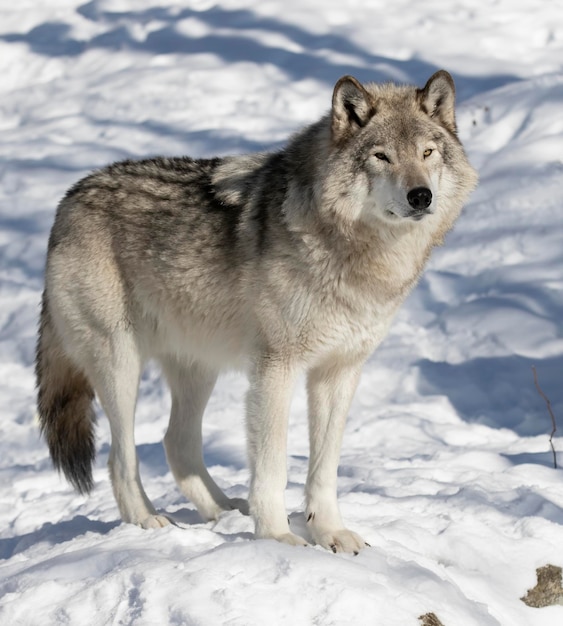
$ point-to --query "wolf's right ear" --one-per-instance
(352, 107)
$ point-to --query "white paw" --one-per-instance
(340, 540)
(155, 521)
(239, 504)
(213, 511)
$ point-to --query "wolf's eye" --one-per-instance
(427, 152)
(382, 157)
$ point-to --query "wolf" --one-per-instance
(282, 263)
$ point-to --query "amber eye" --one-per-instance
(381, 156)
(428, 152)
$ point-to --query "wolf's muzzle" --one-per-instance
(419, 198)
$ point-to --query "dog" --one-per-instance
(280, 263)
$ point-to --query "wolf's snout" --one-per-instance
(420, 198)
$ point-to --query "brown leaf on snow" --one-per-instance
(430, 619)
(548, 591)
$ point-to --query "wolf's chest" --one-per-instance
(337, 322)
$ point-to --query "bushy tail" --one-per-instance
(64, 401)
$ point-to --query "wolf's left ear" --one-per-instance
(352, 107)
(437, 99)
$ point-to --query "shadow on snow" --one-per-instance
(498, 391)
(312, 60)
(53, 534)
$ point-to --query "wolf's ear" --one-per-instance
(352, 107)
(437, 99)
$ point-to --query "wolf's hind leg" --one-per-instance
(330, 391)
(117, 385)
(191, 385)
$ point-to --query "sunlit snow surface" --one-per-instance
(446, 468)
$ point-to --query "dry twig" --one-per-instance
(550, 410)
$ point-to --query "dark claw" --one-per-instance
(368, 545)
(356, 553)
(310, 517)
(333, 548)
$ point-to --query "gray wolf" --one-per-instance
(281, 263)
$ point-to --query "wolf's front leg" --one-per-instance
(271, 385)
(330, 390)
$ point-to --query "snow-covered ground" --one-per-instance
(446, 466)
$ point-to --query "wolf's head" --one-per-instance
(400, 148)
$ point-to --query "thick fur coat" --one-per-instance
(280, 263)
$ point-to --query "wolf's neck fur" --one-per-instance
(322, 211)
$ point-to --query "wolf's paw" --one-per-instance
(155, 521)
(340, 540)
(239, 504)
(214, 510)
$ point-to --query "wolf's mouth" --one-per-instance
(418, 216)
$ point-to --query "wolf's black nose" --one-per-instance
(420, 198)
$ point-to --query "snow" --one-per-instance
(446, 467)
